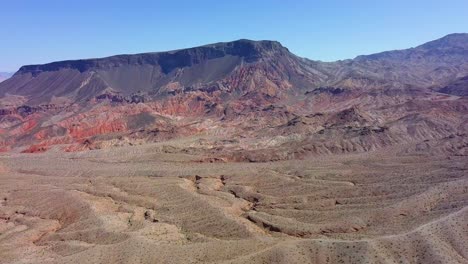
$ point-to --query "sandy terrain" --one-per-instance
(141, 205)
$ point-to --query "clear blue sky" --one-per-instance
(42, 31)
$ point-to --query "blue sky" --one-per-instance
(34, 32)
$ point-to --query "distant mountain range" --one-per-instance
(5, 75)
(244, 86)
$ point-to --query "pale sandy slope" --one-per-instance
(141, 205)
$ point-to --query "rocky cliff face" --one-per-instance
(256, 92)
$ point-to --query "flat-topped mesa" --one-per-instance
(249, 50)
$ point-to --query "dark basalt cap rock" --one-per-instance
(249, 50)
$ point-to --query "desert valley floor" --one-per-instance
(142, 204)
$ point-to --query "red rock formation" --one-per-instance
(258, 93)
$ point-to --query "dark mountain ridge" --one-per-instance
(249, 50)
(148, 72)
(215, 66)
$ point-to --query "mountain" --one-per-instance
(220, 67)
(256, 93)
(431, 64)
(210, 67)
(5, 75)
(149, 72)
